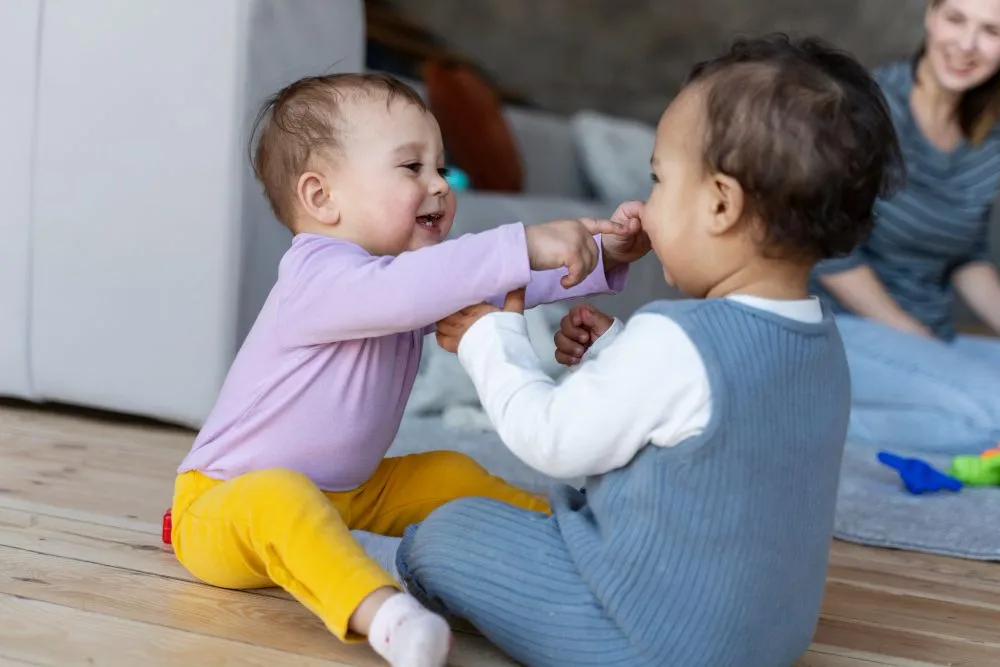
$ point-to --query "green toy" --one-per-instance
(976, 470)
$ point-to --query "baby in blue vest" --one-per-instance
(709, 429)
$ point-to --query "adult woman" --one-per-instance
(916, 384)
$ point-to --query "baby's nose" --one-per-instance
(440, 186)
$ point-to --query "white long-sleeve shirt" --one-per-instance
(641, 383)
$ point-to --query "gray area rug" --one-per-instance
(873, 508)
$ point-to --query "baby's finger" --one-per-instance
(629, 210)
(446, 343)
(573, 331)
(450, 327)
(577, 313)
(567, 345)
(575, 272)
(566, 359)
(603, 226)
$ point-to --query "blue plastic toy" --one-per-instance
(457, 179)
(918, 476)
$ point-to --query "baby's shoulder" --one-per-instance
(312, 255)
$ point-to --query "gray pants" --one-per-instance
(507, 571)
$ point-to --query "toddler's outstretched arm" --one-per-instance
(340, 292)
(333, 290)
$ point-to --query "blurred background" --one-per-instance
(623, 57)
(136, 247)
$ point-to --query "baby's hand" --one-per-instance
(579, 329)
(568, 243)
(630, 245)
(451, 329)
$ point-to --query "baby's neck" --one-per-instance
(785, 281)
(309, 226)
(334, 232)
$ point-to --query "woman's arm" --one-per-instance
(978, 283)
(861, 292)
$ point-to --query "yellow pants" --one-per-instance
(277, 528)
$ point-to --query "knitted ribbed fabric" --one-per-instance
(710, 553)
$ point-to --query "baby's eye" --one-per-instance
(443, 172)
(414, 167)
(653, 178)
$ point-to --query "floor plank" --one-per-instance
(48, 634)
(87, 581)
(166, 602)
(832, 656)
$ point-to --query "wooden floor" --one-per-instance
(84, 580)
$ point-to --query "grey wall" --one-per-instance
(628, 56)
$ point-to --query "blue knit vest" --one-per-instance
(714, 552)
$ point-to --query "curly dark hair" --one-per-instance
(806, 131)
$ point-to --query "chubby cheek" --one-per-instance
(410, 197)
(672, 246)
(405, 204)
(657, 225)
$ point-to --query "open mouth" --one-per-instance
(430, 220)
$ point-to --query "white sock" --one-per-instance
(380, 549)
(408, 635)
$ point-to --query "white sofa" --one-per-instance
(135, 245)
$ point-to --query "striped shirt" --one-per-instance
(937, 223)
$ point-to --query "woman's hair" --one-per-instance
(806, 131)
(979, 108)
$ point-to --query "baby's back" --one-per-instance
(715, 551)
(328, 411)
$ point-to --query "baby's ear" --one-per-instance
(317, 198)
(726, 201)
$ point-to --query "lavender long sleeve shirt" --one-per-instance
(321, 381)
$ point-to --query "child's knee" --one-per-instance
(455, 465)
(432, 545)
(452, 522)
